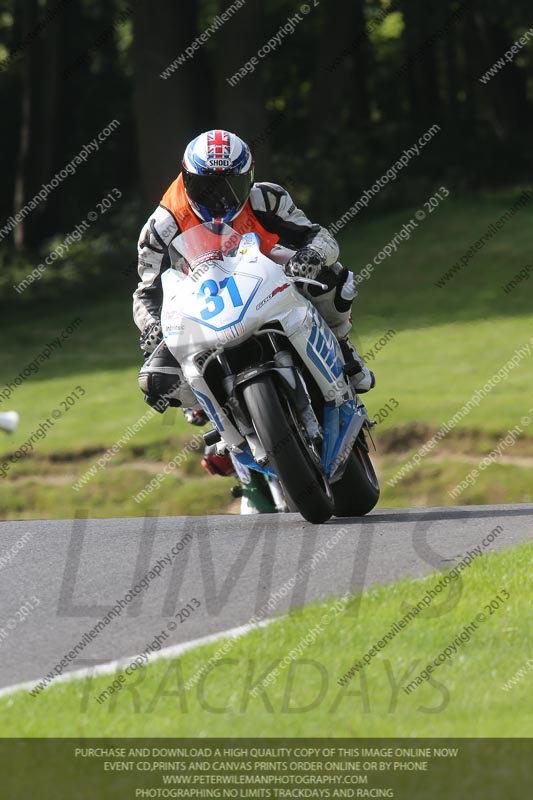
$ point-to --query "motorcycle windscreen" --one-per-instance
(210, 241)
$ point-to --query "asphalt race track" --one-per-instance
(77, 570)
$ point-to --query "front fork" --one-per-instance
(291, 381)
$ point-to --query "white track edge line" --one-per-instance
(108, 668)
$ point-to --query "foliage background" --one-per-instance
(326, 113)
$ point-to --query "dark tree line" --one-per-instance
(330, 108)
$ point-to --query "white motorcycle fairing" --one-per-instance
(231, 297)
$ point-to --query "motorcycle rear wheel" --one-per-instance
(357, 492)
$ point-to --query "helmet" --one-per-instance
(218, 173)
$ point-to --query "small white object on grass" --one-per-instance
(9, 421)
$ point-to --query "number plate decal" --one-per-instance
(222, 304)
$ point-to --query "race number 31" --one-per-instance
(210, 291)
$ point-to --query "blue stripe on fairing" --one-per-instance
(330, 435)
(351, 423)
(246, 459)
(318, 362)
(323, 351)
(209, 409)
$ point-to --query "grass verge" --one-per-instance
(463, 697)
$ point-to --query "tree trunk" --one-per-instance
(452, 84)
(339, 102)
(39, 69)
(342, 68)
(29, 12)
(241, 107)
(50, 89)
(166, 110)
(422, 22)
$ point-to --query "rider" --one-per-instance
(217, 183)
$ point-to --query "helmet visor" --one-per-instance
(218, 194)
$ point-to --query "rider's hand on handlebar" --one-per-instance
(305, 263)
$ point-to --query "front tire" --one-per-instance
(300, 478)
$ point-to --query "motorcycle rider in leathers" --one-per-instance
(217, 183)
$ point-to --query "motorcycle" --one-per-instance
(268, 372)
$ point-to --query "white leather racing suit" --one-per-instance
(277, 213)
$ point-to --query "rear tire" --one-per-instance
(357, 492)
(300, 478)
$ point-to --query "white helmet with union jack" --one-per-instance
(218, 173)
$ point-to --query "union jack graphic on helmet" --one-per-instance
(218, 173)
(218, 145)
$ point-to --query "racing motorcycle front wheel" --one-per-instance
(290, 457)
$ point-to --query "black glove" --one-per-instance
(151, 336)
(305, 263)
